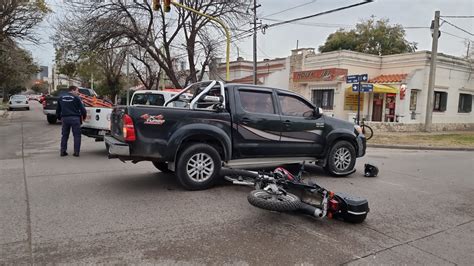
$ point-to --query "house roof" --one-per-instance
(249, 79)
(390, 78)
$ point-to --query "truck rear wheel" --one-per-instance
(52, 119)
(341, 159)
(198, 166)
(162, 166)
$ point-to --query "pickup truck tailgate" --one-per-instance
(116, 122)
(98, 118)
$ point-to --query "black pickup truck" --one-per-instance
(232, 125)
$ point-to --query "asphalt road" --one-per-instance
(95, 210)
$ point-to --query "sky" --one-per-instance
(278, 41)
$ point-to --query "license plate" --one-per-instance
(55, 102)
(18, 101)
(102, 132)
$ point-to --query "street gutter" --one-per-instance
(411, 147)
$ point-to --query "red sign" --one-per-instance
(329, 74)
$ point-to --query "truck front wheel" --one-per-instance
(341, 159)
(198, 166)
(52, 119)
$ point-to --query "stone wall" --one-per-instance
(402, 127)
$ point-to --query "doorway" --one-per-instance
(377, 107)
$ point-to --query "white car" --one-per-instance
(18, 102)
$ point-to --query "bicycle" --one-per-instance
(366, 130)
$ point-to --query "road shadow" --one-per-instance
(145, 183)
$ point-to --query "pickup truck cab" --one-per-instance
(232, 125)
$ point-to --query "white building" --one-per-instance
(270, 72)
(398, 100)
(400, 86)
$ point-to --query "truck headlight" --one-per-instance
(358, 129)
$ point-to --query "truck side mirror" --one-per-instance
(318, 112)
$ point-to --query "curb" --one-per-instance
(408, 147)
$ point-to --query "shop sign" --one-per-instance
(350, 102)
(329, 74)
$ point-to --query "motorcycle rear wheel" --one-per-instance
(268, 201)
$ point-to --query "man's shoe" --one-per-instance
(76, 154)
(63, 153)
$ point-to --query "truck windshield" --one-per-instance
(148, 99)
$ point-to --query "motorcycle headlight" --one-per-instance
(358, 129)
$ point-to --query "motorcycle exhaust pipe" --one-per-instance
(310, 210)
(237, 182)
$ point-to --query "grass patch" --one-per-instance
(435, 139)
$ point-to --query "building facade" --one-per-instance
(400, 85)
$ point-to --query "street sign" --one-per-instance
(363, 77)
(364, 87)
(357, 78)
(352, 79)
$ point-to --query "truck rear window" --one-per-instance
(148, 99)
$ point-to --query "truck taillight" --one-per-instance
(44, 104)
(128, 128)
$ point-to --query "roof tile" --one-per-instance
(390, 78)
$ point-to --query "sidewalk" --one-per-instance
(451, 140)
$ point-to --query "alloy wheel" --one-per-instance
(200, 167)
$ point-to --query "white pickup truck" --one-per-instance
(97, 123)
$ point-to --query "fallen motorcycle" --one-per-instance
(280, 190)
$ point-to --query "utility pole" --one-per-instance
(128, 80)
(431, 81)
(255, 6)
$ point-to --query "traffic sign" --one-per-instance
(357, 78)
(352, 79)
(363, 77)
(364, 87)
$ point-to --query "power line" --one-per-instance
(457, 16)
(288, 9)
(464, 38)
(457, 27)
(323, 25)
(318, 14)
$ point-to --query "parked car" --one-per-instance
(233, 125)
(18, 102)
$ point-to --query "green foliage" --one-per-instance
(371, 37)
(16, 69)
(41, 87)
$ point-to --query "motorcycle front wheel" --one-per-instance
(273, 202)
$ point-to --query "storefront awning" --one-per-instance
(379, 88)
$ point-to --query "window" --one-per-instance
(257, 102)
(324, 98)
(465, 103)
(148, 99)
(440, 101)
(292, 106)
(413, 99)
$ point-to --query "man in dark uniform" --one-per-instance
(71, 112)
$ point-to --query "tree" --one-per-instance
(188, 37)
(40, 87)
(371, 37)
(16, 69)
(18, 19)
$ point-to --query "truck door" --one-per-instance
(257, 123)
(301, 132)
